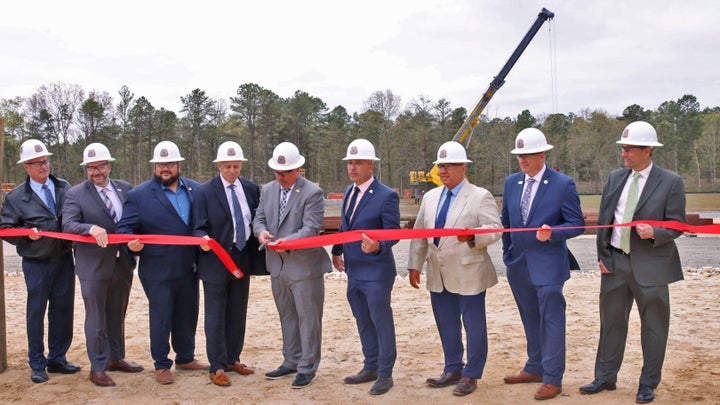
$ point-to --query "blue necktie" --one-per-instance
(351, 206)
(239, 224)
(442, 215)
(49, 200)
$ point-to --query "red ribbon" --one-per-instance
(399, 234)
(221, 253)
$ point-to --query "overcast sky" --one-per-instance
(606, 54)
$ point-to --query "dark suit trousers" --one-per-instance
(50, 285)
(106, 304)
(617, 292)
(451, 312)
(370, 304)
(225, 317)
(173, 318)
(542, 311)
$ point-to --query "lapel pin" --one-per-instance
(520, 182)
(371, 191)
(545, 181)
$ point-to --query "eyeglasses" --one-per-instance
(445, 166)
(527, 155)
(166, 165)
(42, 163)
(282, 174)
(631, 148)
(99, 168)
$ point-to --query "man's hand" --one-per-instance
(100, 235)
(645, 231)
(36, 236)
(414, 277)
(338, 263)
(368, 245)
(465, 238)
(135, 245)
(544, 234)
(206, 247)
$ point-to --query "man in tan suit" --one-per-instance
(459, 269)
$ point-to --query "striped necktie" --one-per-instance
(109, 204)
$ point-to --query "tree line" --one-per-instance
(406, 135)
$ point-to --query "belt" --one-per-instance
(619, 251)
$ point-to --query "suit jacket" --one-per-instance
(557, 204)
(303, 218)
(148, 211)
(213, 217)
(455, 265)
(654, 261)
(379, 208)
(84, 207)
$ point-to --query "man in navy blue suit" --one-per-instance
(161, 205)
(223, 209)
(369, 265)
(537, 262)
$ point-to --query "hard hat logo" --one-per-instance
(91, 153)
(38, 148)
(353, 150)
(442, 154)
(164, 153)
(625, 133)
(231, 152)
(281, 160)
(520, 144)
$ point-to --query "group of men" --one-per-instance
(244, 218)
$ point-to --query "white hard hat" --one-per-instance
(166, 151)
(286, 156)
(530, 140)
(229, 152)
(31, 149)
(96, 152)
(639, 133)
(451, 152)
(360, 149)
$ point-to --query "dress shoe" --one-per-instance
(597, 386)
(240, 368)
(101, 379)
(279, 372)
(64, 367)
(381, 386)
(193, 365)
(164, 376)
(445, 380)
(522, 377)
(220, 378)
(125, 366)
(547, 391)
(362, 377)
(645, 394)
(466, 386)
(39, 376)
(303, 380)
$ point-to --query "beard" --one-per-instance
(167, 182)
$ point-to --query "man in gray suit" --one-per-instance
(637, 264)
(93, 207)
(292, 207)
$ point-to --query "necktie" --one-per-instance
(442, 215)
(239, 223)
(630, 204)
(49, 200)
(109, 204)
(525, 202)
(351, 206)
(283, 201)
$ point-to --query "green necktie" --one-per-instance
(630, 204)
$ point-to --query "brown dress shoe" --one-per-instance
(522, 377)
(193, 365)
(445, 380)
(240, 368)
(466, 386)
(125, 366)
(547, 391)
(164, 376)
(220, 378)
(101, 379)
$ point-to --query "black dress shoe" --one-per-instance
(466, 386)
(39, 376)
(64, 367)
(445, 380)
(597, 386)
(362, 377)
(381, 386)
(303, 380)
(645, 394)
(279, 372)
